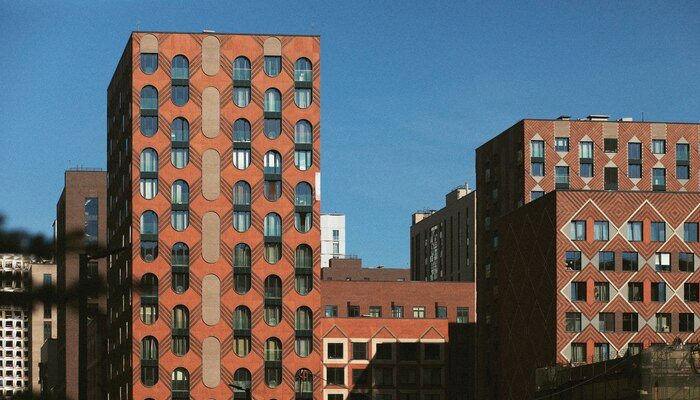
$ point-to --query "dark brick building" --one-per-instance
(351, 269)
(605, 264)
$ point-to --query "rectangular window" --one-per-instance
(663, 262)
(537, 168)
(610, 145)
(686, 322)
(353, 311)
(91, 215)
(573, 322)
(634, 348)
(408, 351)
(419, 312)
(47, 281)
(359, 350)
(658, 231)
(397, 311)
(578, 230)
(336, 248)
(383, 376)
(336, 234)
(686, 262)
(658, 179)
(690, 232)
(331, 311)
(634, 231)
(573, 260)
(601, 352)
(630, 322)
(536, 194)
(47, 330)
(431, 351)
(682, 172)
(606, 261)
(630, 261)
(462, 315)
(691, 292)
(635, 291)
(586, 150)
(658, 291)
(606, 322)
(440, 312)
(682, 152)
(561, 144)
(360, 376)
(658, 146)
(634, 160)
(406, 376)
(586, 169)
(634, 151)
(335, 351)
(47, 310)
(600, 230)
(601, 291)
(537, 149)
(578, 291)
(578, 352)
(663, 322)
(610, 175)
(335, 376)
(634, 171)
(561, 177)
(375, 311)
(383, 351)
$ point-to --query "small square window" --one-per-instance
(630, 322)
(686, 262)
(601, 292)
(630, 261)
(658, 291)
(658, 231)
(606, 261)
(573, 322)
(690, 232)
(335, 351)
(431, 351)
(573, 260)
(691, 292)
(663, 262)
(578, 230)
(600, 230)
(610, 145)
(359, 350)
(536, 194)
(658, 146)
(561, 144)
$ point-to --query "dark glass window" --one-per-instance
(303, 325)
(606, 322)
(180, 384)
(686, 262)
(577, 230)
(383, 351)
(658, 146)
(303, 70)
(149, 361)
(663, 322)
(241, 82)
(303, 269)
(634, 231)
(536, 194)
(408, 351)
(630, 261)
(241, 268)
(241, 143)
(241, 69)
(273, 362)
(180, 264)
(273, 114)
(241, 206)
(273, 300)
(149, 110)
(180, 341)
(360, 376)
(335, 376)
(561, 177)
(149, 299)
(432, 351)
(573, 322)
(273, 175)
(658, 179)
(180, 143)
(690, 232)
(272, 237)
(148, 173)
(578, 291)
(601, 291)
(630, 322)
(331, 311)
(573, 260)
(303, 139)
(635, 291)
(180, 78)
(610, 145)
(242, 380)
(241, 331)
(273, 65)
(691, 293)
(682, 161)
(658, 291)
(149, 63)
(606, 261)
(149, 236)
(658, 231)
(91, 223)
(663, 262)
(686, 322)
(353, 311)
(303, 196)
(462, 315)
(561, 144)
(335, 351)
(359, 350)
(180, 205)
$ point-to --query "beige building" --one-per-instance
(443, 244)
(43, 323)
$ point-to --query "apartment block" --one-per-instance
(332, 238)
(81, 231)
(603, 265)
(15, 363)
(397, 340)
(443, 246)
(214, 179)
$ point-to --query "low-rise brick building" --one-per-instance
(351, 269)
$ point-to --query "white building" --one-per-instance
(14, 330)
(332, 237)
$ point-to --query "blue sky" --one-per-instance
(409, 89)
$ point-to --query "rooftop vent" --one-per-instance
(564, 117)
(626, 119)
(598, 117)
(208, 31)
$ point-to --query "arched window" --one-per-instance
(148, 166)
(181, 330)
(303, 145)
(303, 324)
(273, 237)
(241, 268)
(241, 331)
(241, 382)
(180, 79)
(273, 175)
(302, 70)
(273, 65)
(273, 113)
(303, 384)
(241, 81)
(149, 299)
(180, 384)
(180, 265)
(273, 300)
(273, 362)
(149, 110)
(241, 143)
(302, 83)
(241, 206)
(149, 361)
(180, 205)
(149, 236)
(180, 143)
(303, 195)
(303, 269)
(149, 63)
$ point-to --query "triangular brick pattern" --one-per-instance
(230, 47)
